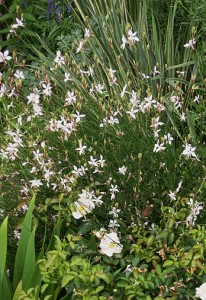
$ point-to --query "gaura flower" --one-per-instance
(4, 56)
(83, 207)
(110, 244)
(201, 292)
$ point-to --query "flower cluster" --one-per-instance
(86, 203)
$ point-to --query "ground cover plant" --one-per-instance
(106, 135)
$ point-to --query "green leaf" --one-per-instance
(122, 283)
(168, 263)
(104, 277)
(76, 261)
(84, 228)
(150, 241)
(6, 17)
(66, 279)
(23, 244)
(135, 261)
(99, 289)
(158, 269)
(6, 289)
(30, 260)
(3, 248)
(18, 291)
(29, 17)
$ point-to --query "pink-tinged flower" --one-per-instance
(19, 74)
(189, 151)
(70, 98)
(4, 56)
(110, 244)
(47, 89)
(201, 292)
(36, 183)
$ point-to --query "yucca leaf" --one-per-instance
(23, 245)
(29, 263)
(35, 276)
(3, 249)
(18, 291)
(6, 288)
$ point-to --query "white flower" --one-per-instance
(114, 189)
(35, 183)
(67, 77)
(2, 90)
(113, 120)
(19, 74)
(17, 234)
(149, 102)
(158, 147)
(78, 117)
(83, 206)
(59, 59)
(181, 73)
(4, 56)
(124, 41)
(99, 88)
(172, 195)
(155, 71)
(33, 98)
(122, 170)
(80, 47)
(12, 150)
(201, 292)
(191, 44)
(197, 99)
(129, 268)
(87, 33)
(110, 244)
(123, 91)
(144, 76)
(93, 162)
(19, 23)
(168, 138)
(132, 37)
(70, 98)
(47, 89)
(101, 161)
(183, 117)
(132, 113)
(113, 224)
(81, 148)
(189, 151)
